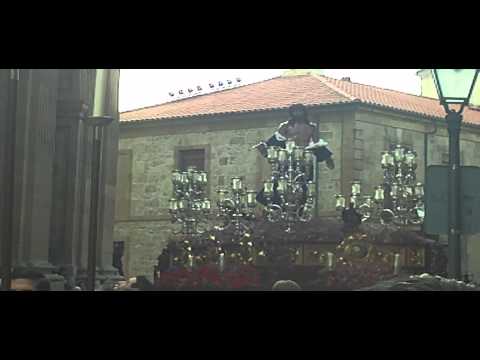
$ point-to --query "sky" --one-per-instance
(146, 87)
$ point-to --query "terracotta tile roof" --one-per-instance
(281, 92)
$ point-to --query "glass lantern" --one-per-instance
(356, 188)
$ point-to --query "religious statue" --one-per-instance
(304, 134)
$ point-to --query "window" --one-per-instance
(191, 157)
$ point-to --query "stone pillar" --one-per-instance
(65, 225)
(4, 168)
(35, 143)
(107, 184)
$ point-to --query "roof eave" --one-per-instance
(126, 123)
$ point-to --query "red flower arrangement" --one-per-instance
(209, 277)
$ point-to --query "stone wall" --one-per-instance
(144, 241)
(153, 159)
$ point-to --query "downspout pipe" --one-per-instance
(425, 145)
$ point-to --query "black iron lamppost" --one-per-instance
(454, 88)
(97, 122)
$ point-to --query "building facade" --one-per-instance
(51, 170)
(216, 132)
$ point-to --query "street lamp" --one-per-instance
(454, 87)
(98, 121)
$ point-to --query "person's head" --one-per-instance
(27, 280)
(43, 285)
(298, 113)
(286, 285)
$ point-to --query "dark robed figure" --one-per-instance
(304, 133)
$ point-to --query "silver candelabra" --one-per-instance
(400, 200)
(236, 208)
(189, 205)
(290, 193)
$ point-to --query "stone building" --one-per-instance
(215, 131)
(51, 171)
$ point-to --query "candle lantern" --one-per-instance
(356, 188)
(379, 193)
(237, 183)
(272, 153)
(251, 198)
(399, 153)
(282, 156)
(282, 186)
(268, 187)
(309, 157)
(290, 146)
(340, 202)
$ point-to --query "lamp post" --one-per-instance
(98, 121)
(454, 87)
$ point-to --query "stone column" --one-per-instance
(5, 177)
(107, 184)
(35, 141)
(65, 225)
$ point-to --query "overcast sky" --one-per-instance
(146, 87)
